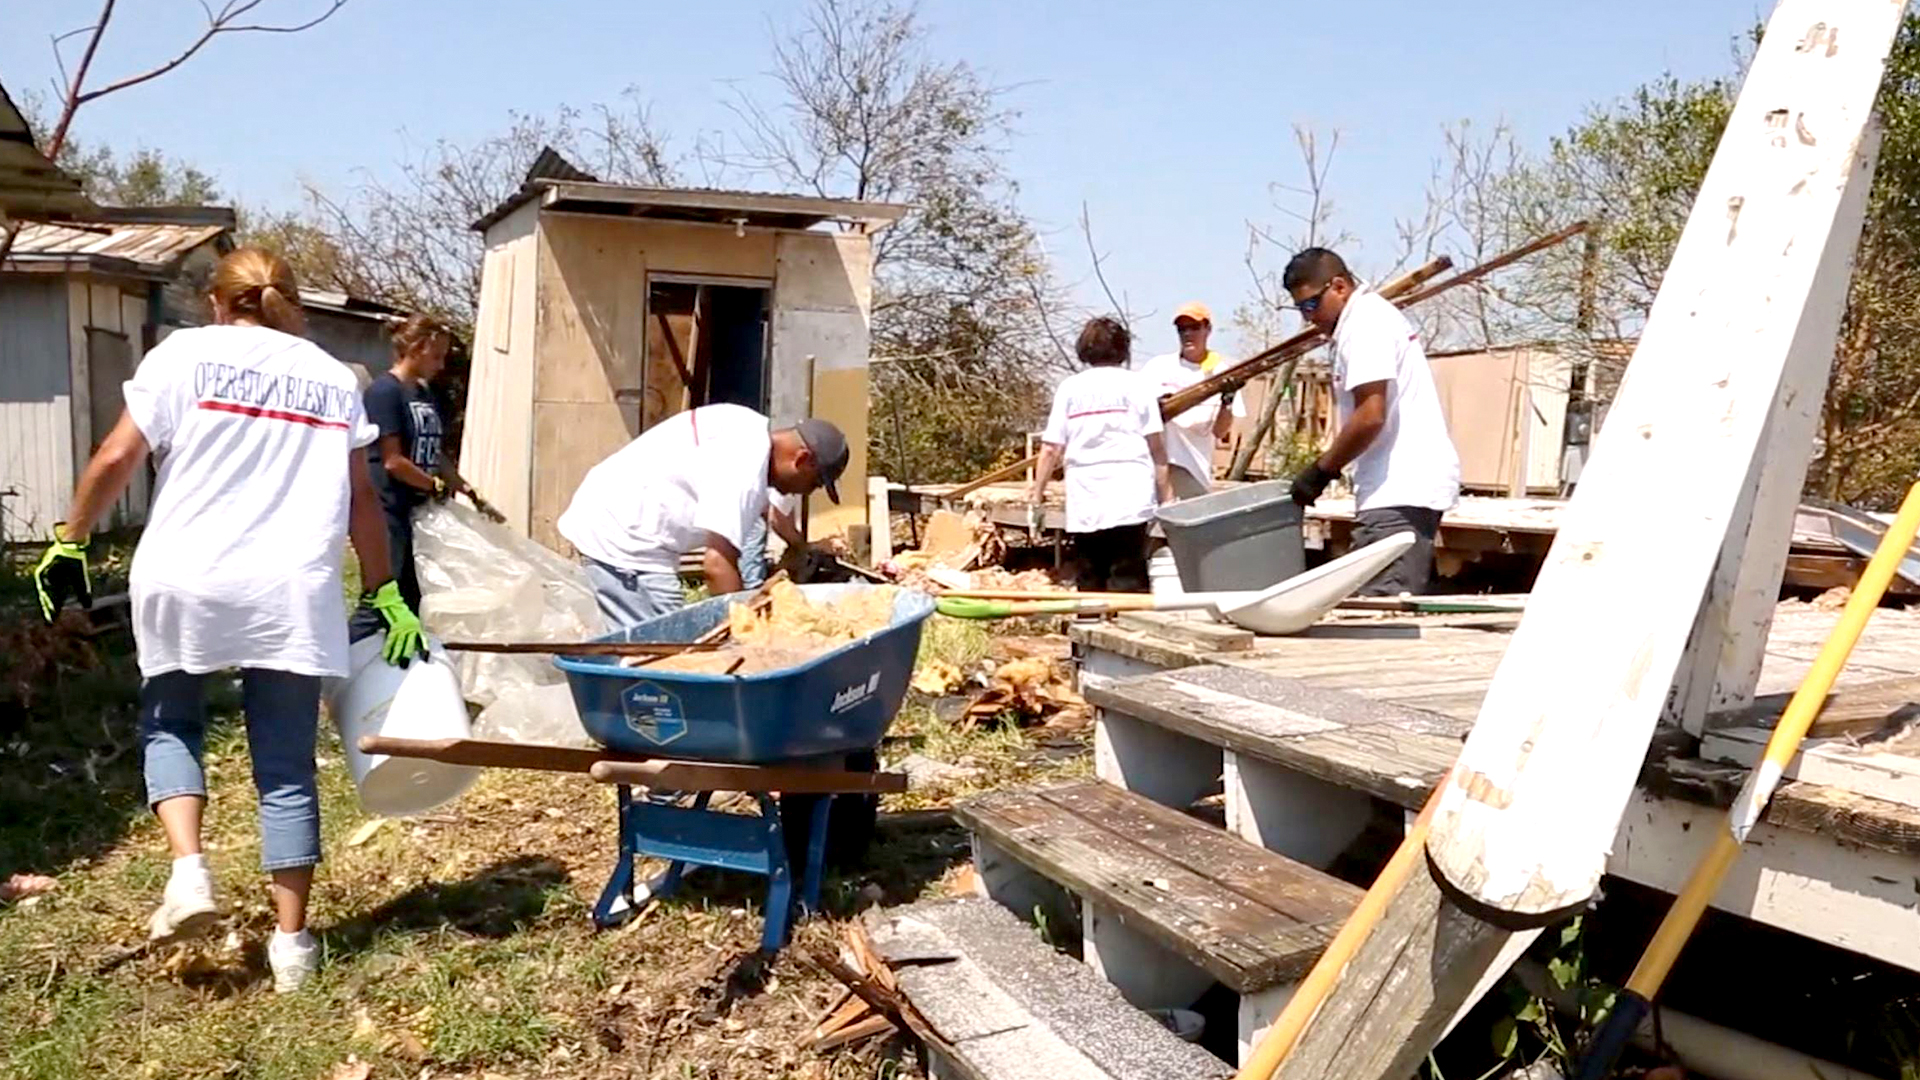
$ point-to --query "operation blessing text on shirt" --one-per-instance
(266, 392)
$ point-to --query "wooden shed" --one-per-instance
(605, 308)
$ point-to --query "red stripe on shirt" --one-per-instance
(273, 414)
(1094, 412)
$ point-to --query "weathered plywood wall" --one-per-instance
(496, 453)
(36, 406)
(590, 335)
(822, 303)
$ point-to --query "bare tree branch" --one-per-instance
(223, 21)
(72, 89)
(1118, 304)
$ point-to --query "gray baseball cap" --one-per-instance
(829, 448)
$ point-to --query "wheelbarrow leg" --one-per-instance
(779, 908)
(619, 889)
(816, 854)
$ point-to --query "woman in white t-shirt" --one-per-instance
(1105, 425)
(258, 436)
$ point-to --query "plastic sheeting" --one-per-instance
(481, 582)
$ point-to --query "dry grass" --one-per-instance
(458, 945)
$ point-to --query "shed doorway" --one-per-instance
(706, 345)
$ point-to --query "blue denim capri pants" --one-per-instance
(283, 717)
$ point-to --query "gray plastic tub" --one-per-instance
(1243, 538)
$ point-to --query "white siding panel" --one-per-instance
(36, 406)
(496, 452)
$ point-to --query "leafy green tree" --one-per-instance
(1633, 168)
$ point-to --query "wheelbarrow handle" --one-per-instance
(713, 776)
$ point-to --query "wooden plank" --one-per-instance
(1393, 753)
(1856, 711)
(1244, 944)
(1201, 633)
(1829, 571)
(583, 648)
(715, 776)
(1864, 770)
(1729, 643)
(1563, 730)
(1299, 892)
(1813, 809)
(1427, 956)
(498, 755)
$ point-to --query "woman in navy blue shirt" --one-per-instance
(408, 461)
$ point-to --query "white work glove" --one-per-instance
(1035, 515)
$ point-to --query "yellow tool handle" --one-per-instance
(1751, 803)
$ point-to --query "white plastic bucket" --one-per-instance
(1163, 576)
(421, 701)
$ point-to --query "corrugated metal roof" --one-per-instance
(340, 303)
(721, 205)
(148, 245)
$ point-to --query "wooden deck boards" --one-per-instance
(1863, 786)
(1436, 664)
(1250, 918)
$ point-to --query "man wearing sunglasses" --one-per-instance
(1405, 470)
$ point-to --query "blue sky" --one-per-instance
(1168, 120)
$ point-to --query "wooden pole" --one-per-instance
(1755, 290)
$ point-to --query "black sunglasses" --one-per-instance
(1312, 303)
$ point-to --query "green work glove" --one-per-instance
(404, 640)
(61, 575)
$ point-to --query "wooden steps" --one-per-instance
(1389, 751)
(1008, 1007)
(1249, 918)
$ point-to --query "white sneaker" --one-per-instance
(186, 908)
(294, 958)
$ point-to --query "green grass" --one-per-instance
(459, 944)
(960, 642)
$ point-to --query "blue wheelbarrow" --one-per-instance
(801, 740)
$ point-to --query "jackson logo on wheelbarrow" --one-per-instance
(855, 694)
(653, 712)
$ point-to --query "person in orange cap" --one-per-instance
(1192, 436)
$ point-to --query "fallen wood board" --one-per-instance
(1856, 711)
(1864, 770)
(947, 533)
(1831, 571)
(1756, 287)
(1179, 626)
(1753, 295)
